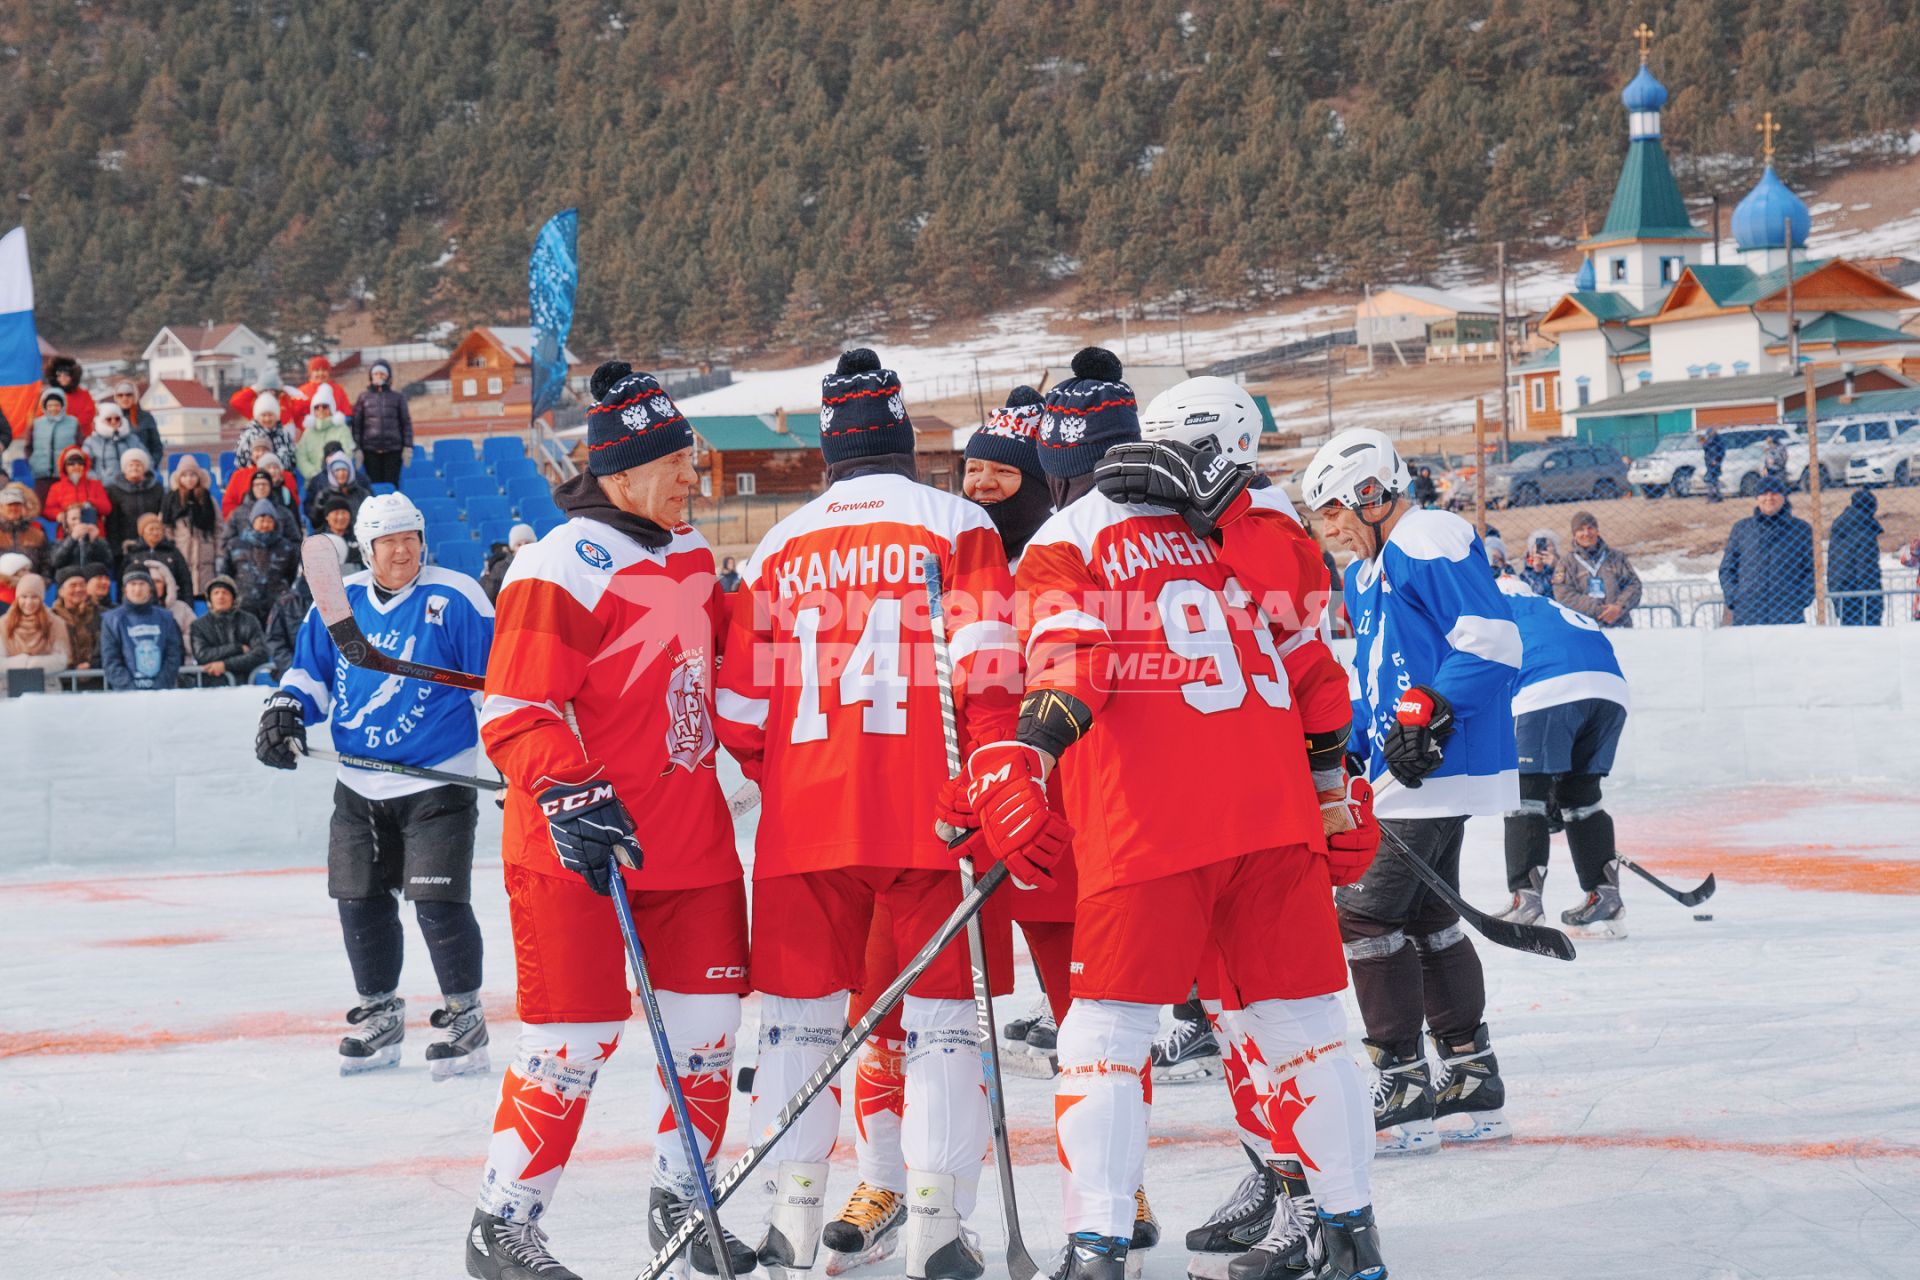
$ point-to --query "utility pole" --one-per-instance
(1479, 466)
(1506, 435)
(1813, 495)
(1180, 315)
(1367, 310)
(1328, 354)
(1716, 229)
(979, 400)
(1793, 316)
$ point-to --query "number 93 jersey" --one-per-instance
(828, 694)
(1195, 754)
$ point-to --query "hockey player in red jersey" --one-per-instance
(1149, 675)
(827, 698)
(597, 712)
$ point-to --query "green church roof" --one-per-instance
(1646, 200)
(1834, 327)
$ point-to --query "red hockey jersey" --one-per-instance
(1300, 626)
(1196, 753)
(827, 695)
(623, 636)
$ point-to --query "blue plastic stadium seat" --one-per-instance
(529, 489)
(496, 449)
(441, 514)
(380, 487)
(469, 558)
(466, 487)
(489, 506)
(492, 531)
(22, 471)
(547, 523)
(417, 485)
(226, 465)
(516, 467)
(460, 468)
(47, 527)
(452, 451)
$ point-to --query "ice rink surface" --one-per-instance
(1703, 1101)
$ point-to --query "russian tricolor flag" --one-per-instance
(19, 343)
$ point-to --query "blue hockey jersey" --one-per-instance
(1426, 611)
(1566, 656)
(444, 620)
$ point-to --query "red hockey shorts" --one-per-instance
(570, 961)
(1269, 915)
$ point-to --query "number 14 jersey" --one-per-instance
(1196, 753)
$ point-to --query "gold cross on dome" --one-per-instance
(1644, 34)
(1767, 128)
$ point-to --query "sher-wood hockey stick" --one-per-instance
(742, 1169)
(1690, 898)
(407, 770)
(1537, 938)
(670, 1074)
(1019, 1262)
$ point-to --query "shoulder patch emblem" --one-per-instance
(594, 554)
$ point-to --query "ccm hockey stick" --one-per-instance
(741, 1169)
(322, 565)
(1020, 1263)
(406, 770)
(1691, 898)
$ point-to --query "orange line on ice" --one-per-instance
(116, 889)
(1843, 1149)
(163, 940)
(1821, 868)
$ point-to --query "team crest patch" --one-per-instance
(594, 554)
(436, 611)
(689, 729)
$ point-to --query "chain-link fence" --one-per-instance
(735, 525)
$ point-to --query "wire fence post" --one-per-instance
(1813, 494)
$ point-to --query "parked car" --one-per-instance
(1566, 472)
(1897, 462)
(1678, 465)
(1842, 440)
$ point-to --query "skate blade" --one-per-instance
(884, 1247)
(1209, 1266)
(475, 1063)
(1030, 1066)
(1403, 1140)
(1598, 931)
(1192, 1071)
(1136, 1263)
(378, 1060)
(1480, 1126)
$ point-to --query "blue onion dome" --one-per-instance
(1643, 92)
(1583, 281)
(1760, 220)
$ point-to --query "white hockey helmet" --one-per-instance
(1206, 409)
(386, 513)
(1357, 468)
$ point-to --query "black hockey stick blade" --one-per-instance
(322, 565)
(1691, 898)
(1537, 938)
(406, 770)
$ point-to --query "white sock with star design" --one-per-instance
(543, 1098)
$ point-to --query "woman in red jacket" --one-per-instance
(64, 372)
(76, 484)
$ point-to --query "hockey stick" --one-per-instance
(1537, 938)
(1691, 898)
(841, 1054)
(1020, 1263)
(406, 770)
(322, 565)
(670, 1075)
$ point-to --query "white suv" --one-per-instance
(1895, 462)
(1679, 465)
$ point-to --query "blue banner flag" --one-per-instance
(552, 276)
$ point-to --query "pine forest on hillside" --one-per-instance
(753, 174)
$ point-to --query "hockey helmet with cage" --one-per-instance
(1357, 468)
(1206, 411)
(386, 513)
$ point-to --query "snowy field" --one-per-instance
(1702, 1101)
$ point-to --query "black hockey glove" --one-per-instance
(1422, 719)
(590, 828)
(1200, 485)
(282, 727)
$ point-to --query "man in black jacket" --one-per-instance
(228, 642)
(382, 427)
(1766, 572)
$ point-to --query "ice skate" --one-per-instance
(1291, 1249)
(794, 1222)
(1034, 1058)
(498, 1249)
(1015, 1031)
(1146, 1227)
(1526, 908)
(867, 1230)
(379, 1025)
(1237, 1225)
(1186, 1052)
(1470, 1087)
(461, 1049)
(1353, 1245)
(1603, 914)
(665, 1214)
(1092, 1256)
(1402, 1103)
(938, 1244)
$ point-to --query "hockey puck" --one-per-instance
(1703, 915)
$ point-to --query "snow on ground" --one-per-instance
(1705, 1101)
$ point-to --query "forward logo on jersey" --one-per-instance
(689, 727)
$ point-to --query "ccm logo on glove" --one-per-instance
(577, 800)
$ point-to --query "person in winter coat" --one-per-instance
(382, 427)
(319, 378)
(80, 541)
(268, 426)
(1543, 559)
(286, 489)
(52, 433)
(135, 492)
(73, 606)
(336, 518)
(19, 531)
(1594, 578)
(77, 484)
(63, 373)
(227, 641)
(244, 401)
(1853, 561)
(152, 543)
(326, 430)
(34, 636)
(339, 480)
(261, 561)
(140, 644)
(193, 522)
(112, 440)
(1713, 452)
(260, 488)
(127, 395)
(283, 624)
(1766, 572)
(13, 567)
(166, 594)
(500, 559)
(251, 450)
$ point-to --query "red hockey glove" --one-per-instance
(952, 815)
(1353, 834)
(1006, 789)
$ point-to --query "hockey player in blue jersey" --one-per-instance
(1568, 710)
(394, 836)
(1436, 653)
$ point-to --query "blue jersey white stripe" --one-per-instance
(1567, 656)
